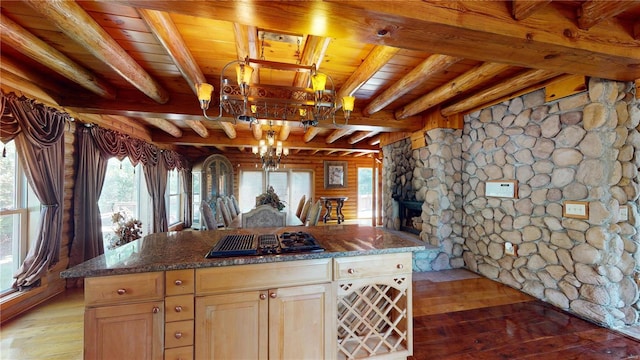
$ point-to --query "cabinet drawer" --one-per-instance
(180, 353)
(179, 333)
(371, 265)
(178, 308)
(119, 289)
(262, 276)
(178, 282)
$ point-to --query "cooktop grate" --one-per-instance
(235, 245)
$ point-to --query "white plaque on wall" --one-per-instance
(501, 188)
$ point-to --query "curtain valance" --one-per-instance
(41, 124)
(112, 143)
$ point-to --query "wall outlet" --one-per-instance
(510, 249)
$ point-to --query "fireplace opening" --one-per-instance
(410, 216)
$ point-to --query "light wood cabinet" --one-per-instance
(374, 306)
(179, 314)
(124, 317)
(265, 311)
(282, 323)
(331, 308)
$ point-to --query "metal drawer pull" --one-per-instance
(178, 335)
(400, 266)
(178, 308)
(122, 291)
(178, 282)
(155, 309)
(351, 271)
(263, 296)
(273, 295)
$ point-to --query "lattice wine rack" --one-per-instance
(373, 318)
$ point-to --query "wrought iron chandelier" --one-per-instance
(270, 151)
(249, 102)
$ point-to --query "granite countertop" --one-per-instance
(187, 249)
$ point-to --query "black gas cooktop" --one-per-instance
(264, 244)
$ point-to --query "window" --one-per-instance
(19, 215)
(174, 198)
(365, 192)
(196, 199)
(124, 190)
(289, 185)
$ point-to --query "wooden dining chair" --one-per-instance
(314, 214)
(305, 210)
(301, 205)
(264, 216)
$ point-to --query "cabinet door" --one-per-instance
(134, 331)
(301, 321)
(232, 326)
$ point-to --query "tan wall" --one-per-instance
(315, 163)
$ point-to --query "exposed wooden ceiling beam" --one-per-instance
(482, 30)
(30, 45)
(310, 134)
(19, 69)
(314, 49)
(164, 125)
(433, 65)
(522, 9)
(516, 83)
(247, 140)
(593, 12)
(256, 130)
(376, 59)
(72, 20)
(166, 32)
(462, 83)
(246, 37)
(361, 136)
(375, 140)
(636, 30)
(285, 130)
(337, 134)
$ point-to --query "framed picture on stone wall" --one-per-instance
(335, 174)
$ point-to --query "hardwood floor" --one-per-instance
(457, 315)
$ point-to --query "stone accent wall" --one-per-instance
(585, 147)
(438, 182)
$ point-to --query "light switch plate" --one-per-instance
(576, 209)
(623, 213)
(501, 188)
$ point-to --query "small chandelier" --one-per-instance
(249, 102)
(270, 151)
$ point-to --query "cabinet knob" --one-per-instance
(400, 266)
(178, 335)
(122, 291)
(178, 308)
(155, 309)
(351, 271)
(178, 282)
(263, 296)
(273, 295)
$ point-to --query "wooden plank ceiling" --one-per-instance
(135, 64)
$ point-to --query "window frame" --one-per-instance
(169, 195)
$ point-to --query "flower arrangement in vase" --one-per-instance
(270, 198)
(125, 227)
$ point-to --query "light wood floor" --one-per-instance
(457, 315)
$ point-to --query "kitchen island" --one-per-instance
(160, 298)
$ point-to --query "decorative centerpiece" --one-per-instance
(270, 198)
(125, 227)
